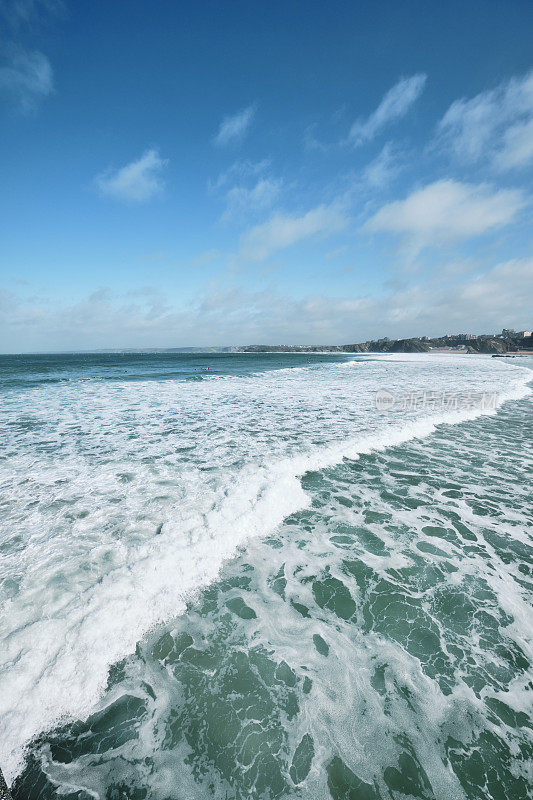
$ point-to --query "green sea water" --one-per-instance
(376, 644)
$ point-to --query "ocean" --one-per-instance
(266, 576)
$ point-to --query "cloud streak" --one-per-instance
(137, 182)
(447, 211)
(26, 79)
(394, 105)
(233, 128)
(283, 230)
(246, 189)
(238, 171)
(241, 200)
(495, 125)
(383, 169)
(18, 12)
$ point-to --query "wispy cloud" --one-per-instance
(233, 128)
(19, 12)
(137, 182)
(495, 125)
(448, 211)
(246, 189)
(394, 105)
(26, 78)
(517, 146)
(383, 169)
(337, 252)
(283, 230)
(312, 143)
(239, 171)
(241, 200)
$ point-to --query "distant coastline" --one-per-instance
(506, 342)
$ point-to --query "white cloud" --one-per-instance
(239, 171)
(233, 128)
(395, 104)
(29, 12)
(137, 182)
(383, 169)
(483, 303)
(241, 200)
(252, 190)
(26, 79)
(18, 12)
(517, 146)
(448, 211)
(283, 230)
(506, 286)
(495, 125)
(500, 297)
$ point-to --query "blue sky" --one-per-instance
(226, 173)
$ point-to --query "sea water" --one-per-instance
(235, 576)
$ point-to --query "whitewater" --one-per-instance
(133, 486)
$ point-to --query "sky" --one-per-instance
(199, 173)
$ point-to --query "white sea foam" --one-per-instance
(121, 500)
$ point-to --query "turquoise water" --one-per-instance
(258, 585)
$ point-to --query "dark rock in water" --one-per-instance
(4, 791)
